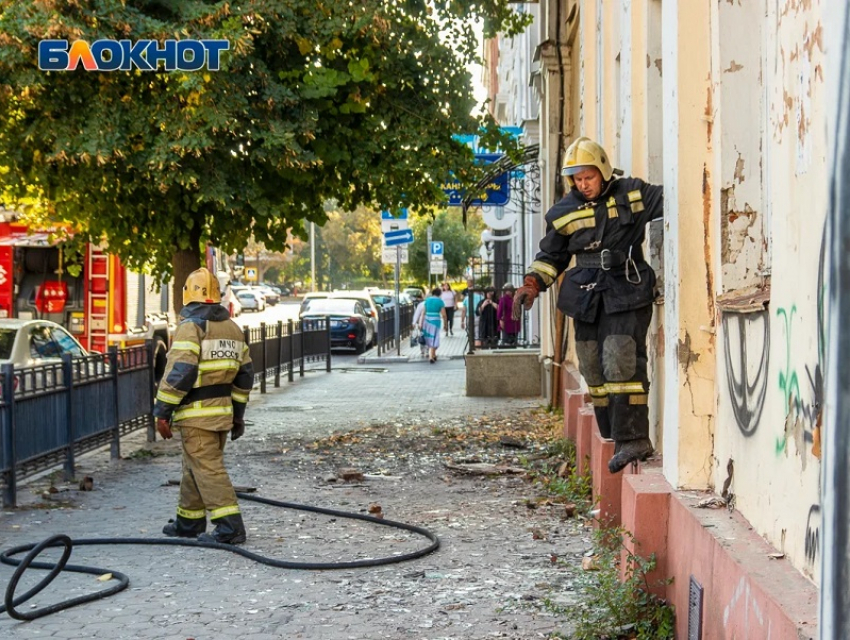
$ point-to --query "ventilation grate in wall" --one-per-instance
(694, 610)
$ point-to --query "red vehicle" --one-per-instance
(106, 304)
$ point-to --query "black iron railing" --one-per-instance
(52, 413)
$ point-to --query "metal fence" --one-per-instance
(52, 413)
(284, 347)
(386, 326)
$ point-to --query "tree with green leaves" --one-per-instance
(459, 243)
(354, 240)
(316, 100)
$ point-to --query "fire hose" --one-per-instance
(11, 602)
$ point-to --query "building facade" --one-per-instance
(724, 104)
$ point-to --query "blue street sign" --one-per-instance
(497, 193)
(436, 248)
(387, 215)
(395, 238)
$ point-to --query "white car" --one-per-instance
(30, 343)
(27, 343)
(251, 300)
(230, 301)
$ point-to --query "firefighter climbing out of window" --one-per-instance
(203, 394)
(608, 293)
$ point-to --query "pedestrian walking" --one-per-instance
(504, 313)
(418, 314)
(488, 323)
(449, 299)
(609, 292)
(432, 318)
(203, 394)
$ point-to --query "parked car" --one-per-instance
(27, 343)
(272, 296)
(308, 298)
(384, 299)
(251, 300)
(416, 294)
(351, 324)
(370, 305)
(230, 301)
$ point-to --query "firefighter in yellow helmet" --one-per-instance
(608, 293)
(203, 393)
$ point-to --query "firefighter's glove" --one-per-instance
(238, 429)
(164, 428)
(525, 296)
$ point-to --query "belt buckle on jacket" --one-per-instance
(602, 256)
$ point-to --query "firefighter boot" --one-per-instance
(228, 530)
(182, 527)
(630, 451)
(630, 430)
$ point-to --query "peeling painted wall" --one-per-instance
(741, 96)
(773, 202)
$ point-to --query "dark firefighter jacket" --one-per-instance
(209, 374)
(609, 227)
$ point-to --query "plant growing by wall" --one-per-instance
(615, 609)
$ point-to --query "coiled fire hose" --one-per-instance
(10, 602)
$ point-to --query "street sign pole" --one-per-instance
(427, 293)
(397, 320)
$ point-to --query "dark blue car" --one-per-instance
(351, 324)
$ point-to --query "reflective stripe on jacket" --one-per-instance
(208, 374)
(615, 222)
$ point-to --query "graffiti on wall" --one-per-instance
(803, 409)
(803, 399)
(812, 543)
(747, 387)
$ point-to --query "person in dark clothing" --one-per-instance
(504, 314)
(488, 324)
(608, 293)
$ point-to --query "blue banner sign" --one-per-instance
(497, 194)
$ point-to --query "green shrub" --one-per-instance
(612, 609)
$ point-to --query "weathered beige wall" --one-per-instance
(770, 373)
(723, 103)
(689, 398)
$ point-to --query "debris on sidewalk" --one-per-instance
(483, 469)
(350, 475)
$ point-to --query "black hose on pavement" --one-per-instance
(11, 602)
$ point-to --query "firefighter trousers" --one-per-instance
(205, 485)
(613, 361)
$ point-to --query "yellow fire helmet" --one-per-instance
(584, 153)
(201, 286)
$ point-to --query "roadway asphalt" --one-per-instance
(180, 594)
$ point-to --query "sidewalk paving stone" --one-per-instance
(482, 583)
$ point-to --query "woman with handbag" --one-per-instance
(416, 336)
(433, 317)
